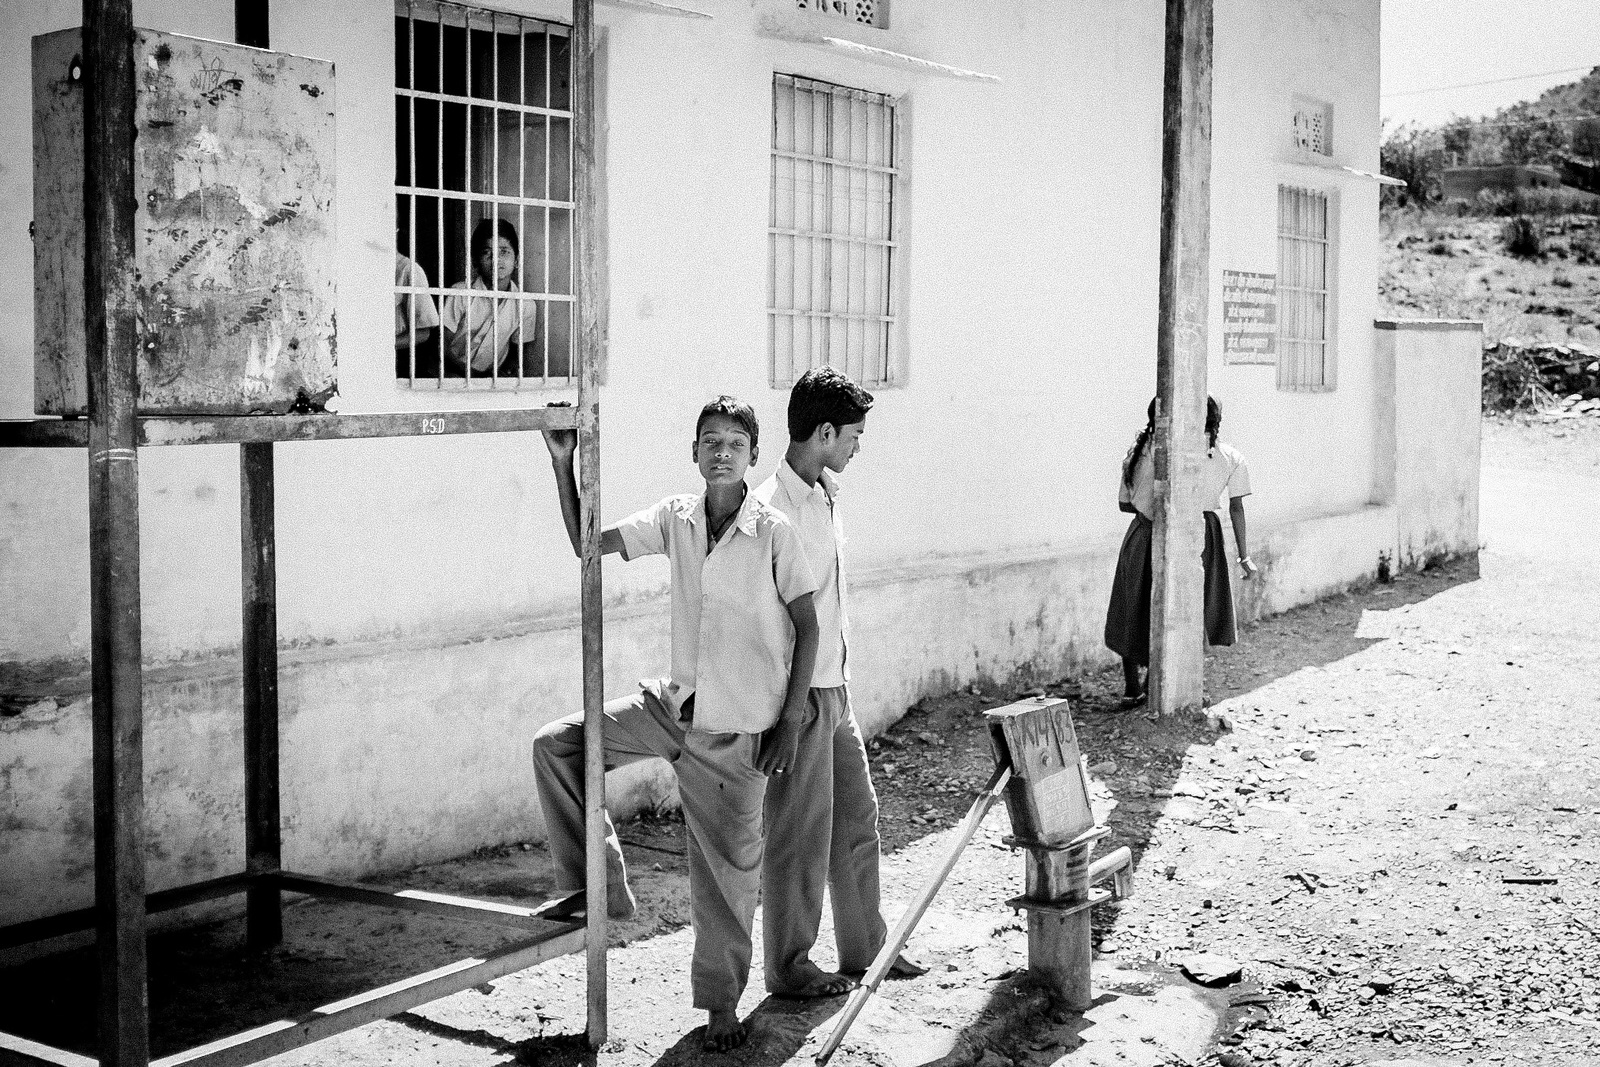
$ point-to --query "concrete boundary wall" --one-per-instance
(1430, 379)
(396, 754)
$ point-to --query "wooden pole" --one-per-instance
(1177, 602)
(263, 834)
(914, 912)
(114, 531)
(587, 295)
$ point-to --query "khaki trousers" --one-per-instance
(822, 831)
(721, 792)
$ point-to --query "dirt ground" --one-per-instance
(1392, 757)
(1442, 265)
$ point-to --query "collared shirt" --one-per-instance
(407, 275)
(491, 322)
(732, 641)
(814, 510)
(1223, 476)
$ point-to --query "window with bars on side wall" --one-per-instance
(483, 148)
(833, 235)
(864, 12)
(1304, 358)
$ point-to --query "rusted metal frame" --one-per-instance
(585, 194)
(69, 922)
(20, 1052)
(118, 715)
(420, 901)
(249, 429)
(263, 834)
(1177, 595)
(381, 1003)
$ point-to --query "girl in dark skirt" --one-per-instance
(1128, 617)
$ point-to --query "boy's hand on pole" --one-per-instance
(561, 443)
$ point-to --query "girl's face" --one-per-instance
(497, 263)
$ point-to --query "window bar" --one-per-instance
(890, 304)
(802, 327)
(411, 200)
(772, 247)
(438, 206)
(466, 217)
(549, 128)
(572, 244)
(522, 187)
(849, 232)
(493, 189)
(827, 215)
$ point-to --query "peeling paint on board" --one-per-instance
(234, 253)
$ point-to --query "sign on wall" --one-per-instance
(1249, 317)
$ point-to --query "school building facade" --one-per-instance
(956, 202)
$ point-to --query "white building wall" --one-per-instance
(426, 590)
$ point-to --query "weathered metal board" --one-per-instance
(234, 246)
(1048, 797)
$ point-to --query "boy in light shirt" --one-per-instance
(822, 818)
(744, 639)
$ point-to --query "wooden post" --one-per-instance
(1177, 601)
(114, 531)
(263, 843)
(263, 840)
(587, 295)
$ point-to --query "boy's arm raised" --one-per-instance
(563, 445)
(779, 744)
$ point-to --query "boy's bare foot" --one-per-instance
(906, 967)
(724, 1031)
(619, 905)
(820, 983)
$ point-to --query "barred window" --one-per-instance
(483, 199)
(865, 12)
(832, 237)
(1303, 357)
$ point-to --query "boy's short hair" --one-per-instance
(735, 409)
(823, 395)
(488, 229)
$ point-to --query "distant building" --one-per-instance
(1465, 183)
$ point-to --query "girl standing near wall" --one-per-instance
(1223, 473)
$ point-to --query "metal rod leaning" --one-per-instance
(914, 912)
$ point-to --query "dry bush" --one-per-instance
(1522, 237)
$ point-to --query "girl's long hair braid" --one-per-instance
(1140, 443)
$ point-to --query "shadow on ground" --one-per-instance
(927, 768)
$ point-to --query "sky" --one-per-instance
(1438, 45)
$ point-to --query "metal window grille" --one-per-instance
(1303, 290)
(866, 12)
(1313, 126)
(483, 131)
(832, 236)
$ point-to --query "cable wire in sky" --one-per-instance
(1491, 81)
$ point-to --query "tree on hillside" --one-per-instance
(1415, 155)
(1585, 141)
(1529, 138)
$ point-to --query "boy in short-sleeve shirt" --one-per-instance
(822, 818)
(744, 640)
